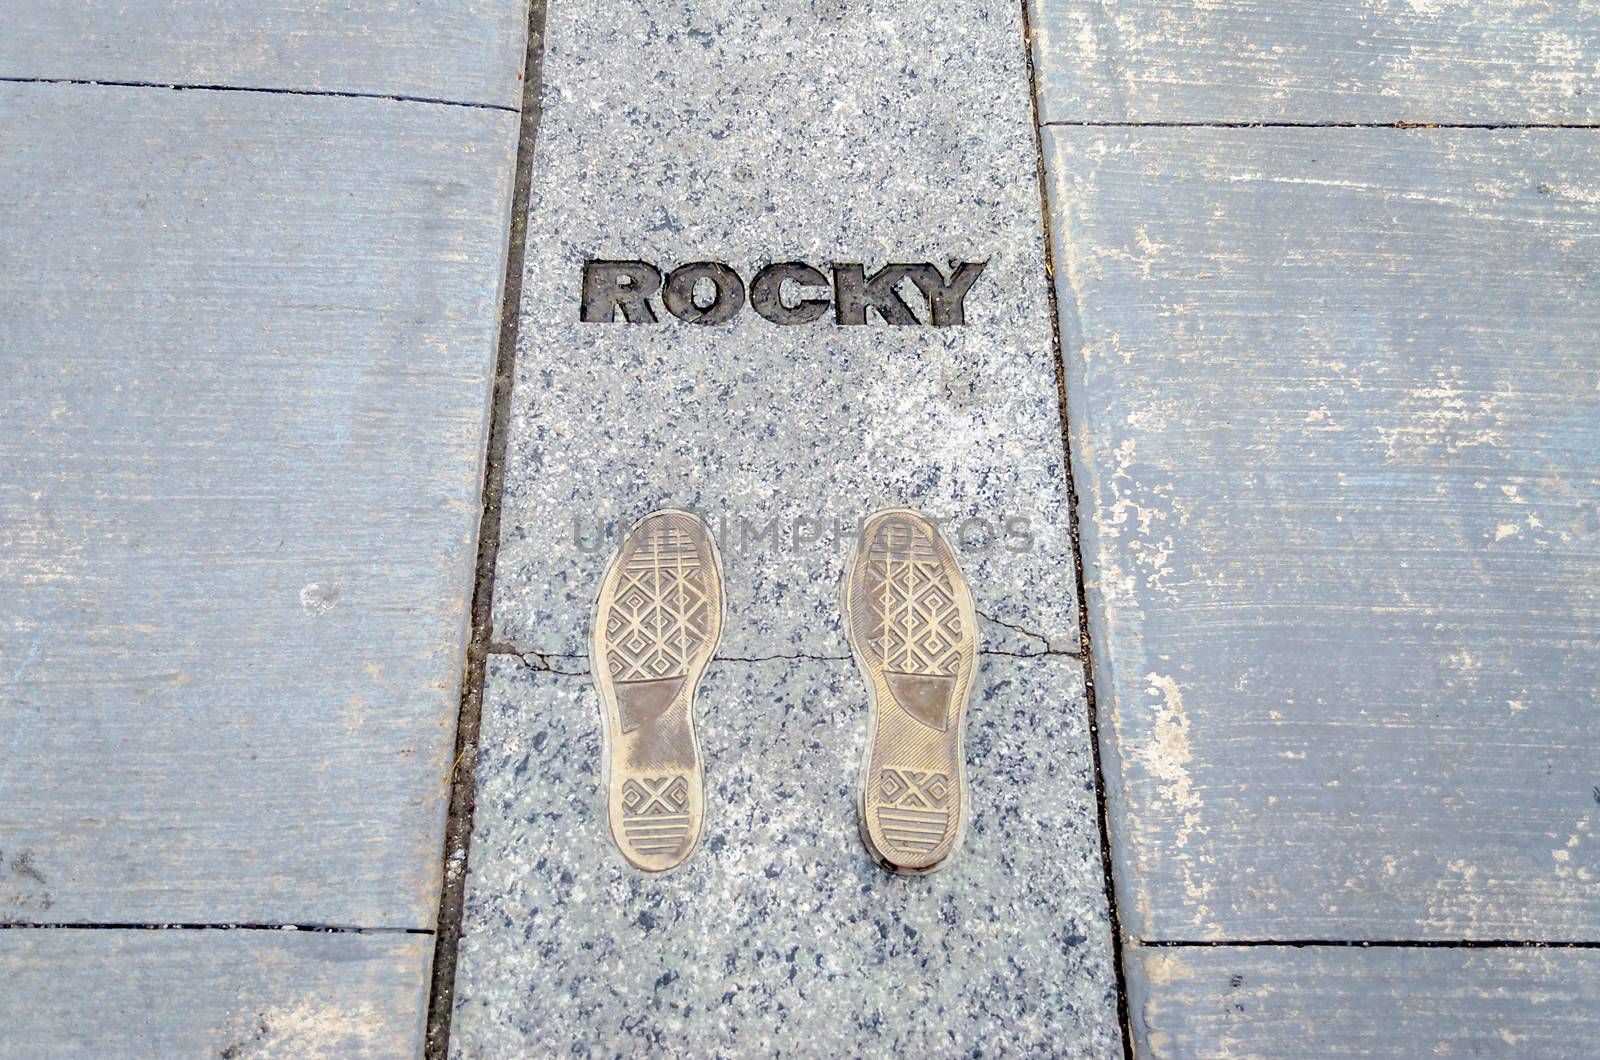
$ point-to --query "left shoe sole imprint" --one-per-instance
(657, 623)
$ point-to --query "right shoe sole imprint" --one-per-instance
(657, 623)
(913, 630)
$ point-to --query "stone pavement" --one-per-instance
(247, 337)
(1316, 776)
(685, 132)
(1335, 420)
(780, 935)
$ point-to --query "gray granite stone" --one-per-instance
(825, 132)
(780, 936)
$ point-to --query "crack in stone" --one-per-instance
(541, 661)
(545, 662)
(1049, 645)
(537, 661)
(1049, 653)
(781, 658)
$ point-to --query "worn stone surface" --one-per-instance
(247, 343)
(233, 994)
(780, 935)
(1336, 423)
(679, 132)
(1317, 61)
(1274, 1001)
(468, 51)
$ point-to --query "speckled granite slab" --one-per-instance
(833, 134)
(780, 936)
(793, 130)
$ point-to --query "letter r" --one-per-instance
(612, 285)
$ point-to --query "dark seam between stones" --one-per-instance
(463, 773)
(1402, 126)
(1393, 944)
(1085, 658)
(330, 93)
(318, 929)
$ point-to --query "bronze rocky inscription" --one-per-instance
(787, 292)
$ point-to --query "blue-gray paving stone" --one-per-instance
(1378, 61)
(467, 51)
(1352, 1001)
(1336, 421)
(780, 936)
(748, 134)
(246, 355)
(237, 994)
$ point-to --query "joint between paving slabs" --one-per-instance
(1085, 658)
(259, 90)
(462, 778)
(1373, 944)
(1401, 126)
(314, 929)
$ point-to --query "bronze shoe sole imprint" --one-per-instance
(656, 626)
(913, 630)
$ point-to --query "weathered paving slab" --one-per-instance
(1317, 61)
(1326, 1001)
(247, 342)
(780, 935)
(1335, 414)
(468, 51)
(673, 134)
(233, 994)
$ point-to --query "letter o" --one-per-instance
(679, 293)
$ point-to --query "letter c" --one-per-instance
(766, 293)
